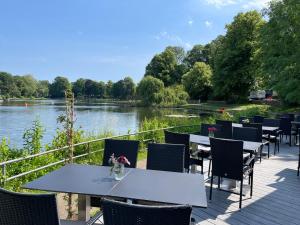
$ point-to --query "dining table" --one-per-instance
(137, 184)
(264, 128)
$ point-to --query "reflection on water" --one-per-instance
(16, 116)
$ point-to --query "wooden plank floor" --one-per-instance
(275, 200)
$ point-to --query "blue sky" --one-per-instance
(105, 39)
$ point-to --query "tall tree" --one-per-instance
(58, 87)
(108, 89)
(42, 89)
(280, 41)
(78, 87)
(148, 89)
(8, 87)
(198, 53)
(235, 66)
(197, 82)
(163, 66)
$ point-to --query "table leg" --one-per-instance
(194, 148)
(84, 206)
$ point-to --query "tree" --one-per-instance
(58, 87)
(123, 89)
(163, 66)
(78, 87)
(198, 53)
(42, 89)
(280, 42)
(101, 89)
(148, 88)
(91, 88)
(235, 69)
(8, 87)
(170, 96)
(214, 49)
(197, 81)
(108, 89)
(179, 53)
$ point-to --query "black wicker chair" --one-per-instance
(128, 148)
(272, 136)
(286, 128)
(179, 138)
(228, 162)
(30, 209)
(119, 213)
(226, 128)
(260, 136)
(258, 119)
(166, 157)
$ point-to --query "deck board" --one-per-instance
(276, 195)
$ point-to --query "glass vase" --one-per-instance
(118, 171)
(211, 134)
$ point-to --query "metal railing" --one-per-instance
(4, 165)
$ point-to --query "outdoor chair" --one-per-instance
(299, 156)
(226, 128)
(166, 157)
(272, 136)
(286, 128)
(228, 162)
(128, 148)
(258, 119)
(179, 138)
(119, 213)
(30, 209)
(260, 136)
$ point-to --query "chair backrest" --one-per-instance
(128, 148)
(27, 209)
(132, 214)
(297, 118)
(291, 116)
(205, 126)
(179, 138)
(285, 125)
(166, 157)
(246, 134)
(271, 122)
(226, 128)
(258, 126)
(258, 119)
(227, 158)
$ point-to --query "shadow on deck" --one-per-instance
(275, 200)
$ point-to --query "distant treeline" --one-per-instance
(28, 87)
(253, 54)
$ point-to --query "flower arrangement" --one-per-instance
(211, 131)
(245, 121)
(117, 165)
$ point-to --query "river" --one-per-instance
(92, 117)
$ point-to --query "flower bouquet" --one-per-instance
(117, 166)
(211, 131)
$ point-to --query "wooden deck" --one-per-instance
(275, 200)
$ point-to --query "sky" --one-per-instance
(105, 39)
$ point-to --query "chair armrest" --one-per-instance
(249, 161)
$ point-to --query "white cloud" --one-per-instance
(246, 4)
(256, 4)
(220, 3)
(208, 24)
(190, 22)
(174, 39)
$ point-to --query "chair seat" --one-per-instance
(246, 156)
(69, 222)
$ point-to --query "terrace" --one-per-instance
(275, 200)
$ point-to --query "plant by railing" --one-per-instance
(13, 178)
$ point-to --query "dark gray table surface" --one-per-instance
(204, 140)
(162, 186)
(149, 185)
(77, 179)
(265, 128)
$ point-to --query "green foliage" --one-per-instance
(8, 88)
(148, 89)
(123, 89)
(167, 66)
(197, 82)
(280, 40)
(32, 137)
(171, 96)
(58, 87)
(198, 53)
(235, 65)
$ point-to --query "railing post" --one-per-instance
(89, 151)
(3, 175)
